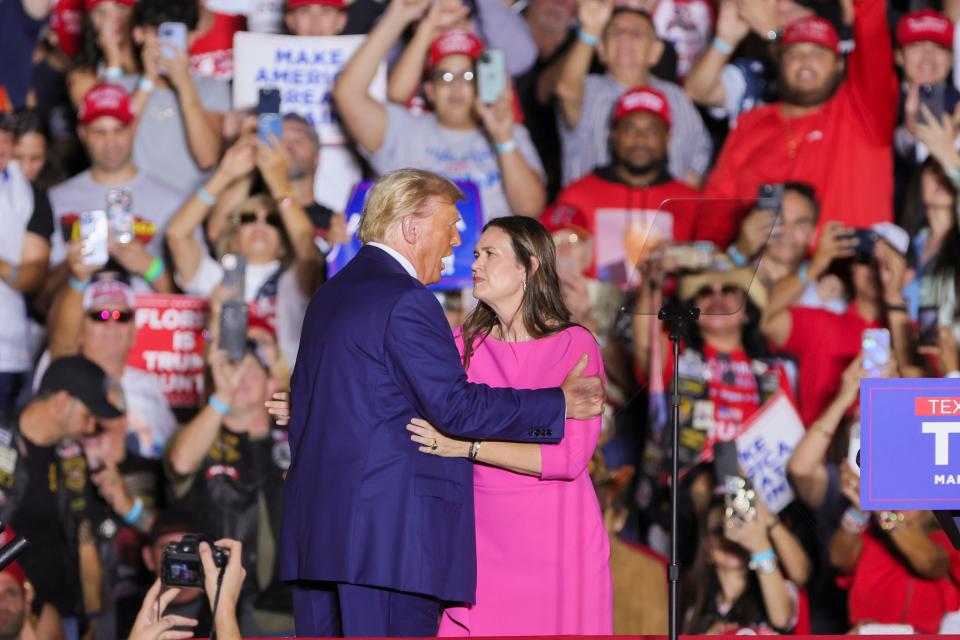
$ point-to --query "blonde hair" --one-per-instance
(399, 194)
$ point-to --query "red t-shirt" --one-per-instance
(842, 149)
(211, 55)
(883, 590)
(612, 207)
(824, 343)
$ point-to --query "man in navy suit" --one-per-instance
(375, 535)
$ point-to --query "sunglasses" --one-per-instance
(272, 219)
(707, 291)
(107, 316)
(449, 77)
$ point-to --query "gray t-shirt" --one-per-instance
(421, 142)
(153, 201)
(586, 146)
(161, 148)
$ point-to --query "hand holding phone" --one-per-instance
(269, 124)
(94, 232)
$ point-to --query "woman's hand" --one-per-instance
(239, 160)
(497, 118)
(751, 535)
(132, 256)
(151, 624)
(80, 271)
(435, 442)
(279, 407)
(274, 161)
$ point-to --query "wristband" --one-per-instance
(763, 562)
(77, 286)
(897, 307)
(113, 73)
(156, 268)
(474, 450)
(134, 512)
(218, 406)
(736, 256)
(14, 272)
(505, 147)
(802, 274)
(586, 38)
(205, 196)
(722, 46)
(146, 84)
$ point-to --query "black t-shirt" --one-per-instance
(41, 222)
(49, 563)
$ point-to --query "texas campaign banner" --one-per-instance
(170, 344)
(304, 69)
(457, 274)
(910, 443)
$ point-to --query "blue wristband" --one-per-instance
(218, 406)
(763, 556)
(505, 147)
(135, 512)
(802, 274)
(722, 46)
(205, 197)
(77, 286)
(586, 38)
(736, 256)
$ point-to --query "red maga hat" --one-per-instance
(296, 4)
(925, 25)
(454, 42)
(814, 31)
(565, 217)
(106, 100)
(645, 99)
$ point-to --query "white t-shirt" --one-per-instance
(421, 142)
(153, 201)
(288, 309)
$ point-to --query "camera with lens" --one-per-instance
(182, 567)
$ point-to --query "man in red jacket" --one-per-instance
(632, 204)
(832, 133)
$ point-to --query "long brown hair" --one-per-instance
(543, 310)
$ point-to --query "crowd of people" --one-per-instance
(790, 168)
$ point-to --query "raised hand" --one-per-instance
(755, 231)
(836, 242)
(594, 15)
(731, 28)
(497, 118)
(151, 624)
(407, 11)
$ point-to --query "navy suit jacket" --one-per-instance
(361, 504)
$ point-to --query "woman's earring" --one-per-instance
(524, 285)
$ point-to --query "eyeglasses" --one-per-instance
(449, 77)
(107, 315)
(707, 291)
(272, 219)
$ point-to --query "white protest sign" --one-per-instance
(304, 69)
(765, 448)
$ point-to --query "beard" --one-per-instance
(635, 169)
(807, 97)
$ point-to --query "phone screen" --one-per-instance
(876, 350)
(269, 124)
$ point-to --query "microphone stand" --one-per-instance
(678, 319)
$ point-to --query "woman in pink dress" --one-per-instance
(542, 551)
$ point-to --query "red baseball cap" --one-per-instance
(645, 99)
(66, 20)
(15, 571)
(812, 30)
(454, 42)
(565, 217)
(296, 4)
(88, 5)
(106, 100)
(925, 25)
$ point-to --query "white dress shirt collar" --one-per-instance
(406, 264)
